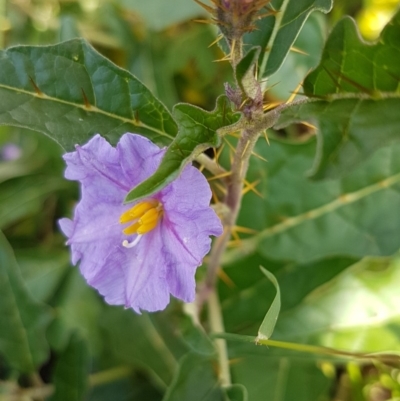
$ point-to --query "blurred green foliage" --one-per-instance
(80, 348)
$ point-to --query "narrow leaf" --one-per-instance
(24, 321)
(244, 72)
(276, 34)
(267, 326)
(197, 132)
(70, 92)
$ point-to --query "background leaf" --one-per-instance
(71, 371)
(357, 311)
(24, 321)
(356, 216)
(360, 83)
(276, 34)
(70, 92)
(160, 14)
(194, 381)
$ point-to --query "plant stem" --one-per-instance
(217, 325)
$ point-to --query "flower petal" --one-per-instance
(139, 158)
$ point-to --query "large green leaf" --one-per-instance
(148, 342)
(358, 311)
(276, 34)
(269, 376)
(23, 320)
(78, 310)
(43, 270)
(71, 371)
(350, 65)
(245, 304)
(70, 92)
(195, 380)
(24, 196)
(301, 220)
(197, 132)
(359, 83)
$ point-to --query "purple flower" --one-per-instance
(137, 254)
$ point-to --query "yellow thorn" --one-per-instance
(219, 37)
(204, 21)
(220, 187)
(266, 136)
(294, 94)
(215, 197)
(217, 177)
(230, 145)
(245, 230)
(307, 124)
(270, 106)
(205, 6)
(259, 156)
(252, 187)
(297, 50)
(226, 279)
(234, 243)
(245, 148)
(226, 58)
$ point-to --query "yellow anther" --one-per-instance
(144, 216)
(145, 228)
(132, 229)
(150, 216)
(137, 211)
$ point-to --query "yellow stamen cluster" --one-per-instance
(144, 216)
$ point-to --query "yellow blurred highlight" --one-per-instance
(374, 16)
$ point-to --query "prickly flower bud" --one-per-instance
(236, 17)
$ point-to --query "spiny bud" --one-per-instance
(236, 17)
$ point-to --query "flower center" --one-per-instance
(143, 217)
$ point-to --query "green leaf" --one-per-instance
(24, 196)
(267, 326)
(78, 310)
(24, 321)
(159, 14)
(350, 65)
(349, 130)
(71, 371)
(195, 380)
(146, 341)
(236, 392)
(196, 337)
(276, 34)
(43, 270)
(358, 311)
(302, 221)
(244, 305)
(297, 65)
(70, 92)
(360, 83)
(197, 132)
(244, 72)
(269, 376)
